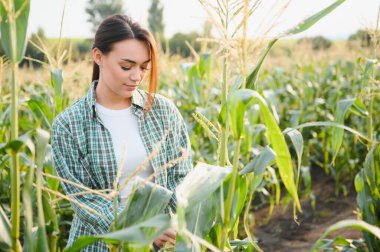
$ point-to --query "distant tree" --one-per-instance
(317, 42)
(362, 36)
(84, 46)
(155, 19)
(320, 43)
(177, 43)
(100, 9)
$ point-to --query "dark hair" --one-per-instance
(119, 27)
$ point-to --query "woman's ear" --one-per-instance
(97, 56)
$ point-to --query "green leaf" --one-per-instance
(367, 183)
(28, 196)
(372, 168)
(15, 146)
(197, 201)
(41, 111)
(5, 231)
(237, 104)
(252, 77)
(359, 108)
(306, 24)
(194, 83)
(13, 28)
(56, 80)
(200, 183)
(355, 224)
(259, 162)
(147, 201)
(333, 124)
(310, 21)
(238, 101)
(134, 234)
(49, 168)
(205, 65)
(368, 70)
(359, 182)
(222, 116)
(297, 140)
(42, 140)
(199, 220)
(238, 199)
(337, 133)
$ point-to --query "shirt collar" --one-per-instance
(138, 100)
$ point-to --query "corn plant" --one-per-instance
(14, 22)
(353, 224)
(234, 105)
(367, 181)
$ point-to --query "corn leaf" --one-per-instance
(297, 141)
(56, 80)
(199, 220)
(140, 222)
(238, 199)
(368, 70)
(337, 133)
(27, 192)
(355, 224)
(5, 231)
(42, 141)
(147, 201)
(201, 182)
(306, 24)
(135, 234)
(367, 183)
(41, 111)
(259, 162)
(337, 125)
(310, 21)
(13, 28)
(198, 200)
(359, 108)
(252, 77)
(238, 102)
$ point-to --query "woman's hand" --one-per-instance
(168, 236)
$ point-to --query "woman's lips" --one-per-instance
(131, 87)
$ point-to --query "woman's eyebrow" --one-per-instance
(134, 62)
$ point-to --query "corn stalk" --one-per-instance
(14, 21)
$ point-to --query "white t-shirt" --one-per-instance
(124, 129)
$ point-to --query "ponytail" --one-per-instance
(95, 72)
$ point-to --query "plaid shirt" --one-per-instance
(83, 153)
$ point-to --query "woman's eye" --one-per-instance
(125, 68)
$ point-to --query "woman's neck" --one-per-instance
(109, 99)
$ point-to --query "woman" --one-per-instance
(88, 137)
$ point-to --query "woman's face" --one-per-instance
(123, 68)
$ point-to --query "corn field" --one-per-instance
(261, 114)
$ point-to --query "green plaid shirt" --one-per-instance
(83, 153)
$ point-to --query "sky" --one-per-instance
(189, 15)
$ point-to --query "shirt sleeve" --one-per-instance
(178, 138)
(67, 162)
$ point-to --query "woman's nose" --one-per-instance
(136, 75)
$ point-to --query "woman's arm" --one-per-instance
(177, 140)
(67, 163)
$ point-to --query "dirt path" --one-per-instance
(281, 233)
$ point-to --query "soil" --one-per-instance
(282, 233)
